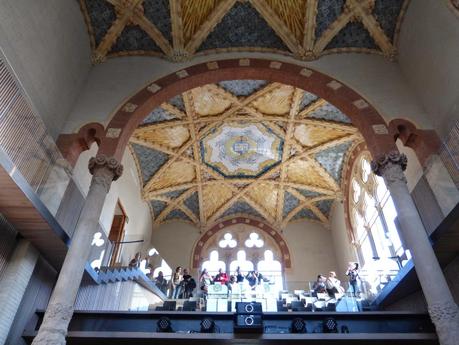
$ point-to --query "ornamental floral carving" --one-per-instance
(110, 163)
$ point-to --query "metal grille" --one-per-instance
(25, 140)
(449, 153)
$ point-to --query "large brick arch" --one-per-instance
(267, 230)
(130, 114)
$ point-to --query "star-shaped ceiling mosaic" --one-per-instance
(179, 29)
(243, 147)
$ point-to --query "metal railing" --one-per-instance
(449, 153)
(25, 140)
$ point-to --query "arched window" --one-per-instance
(373, 219)
(248, 248)
(241, 262)
(271, 269)
(214, 264)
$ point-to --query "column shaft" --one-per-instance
(442, 309)
(60, 308)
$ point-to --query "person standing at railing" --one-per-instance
(333, 285)
(353, 274)
(319, 284)
(205, 280)
(176, 283)
(161, 282)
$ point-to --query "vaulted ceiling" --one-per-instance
(243, 147)
(180, 29)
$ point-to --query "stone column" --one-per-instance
(60, 308)
(442, 309)
(14, 284)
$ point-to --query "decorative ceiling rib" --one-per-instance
(180, 29)
(243, 147)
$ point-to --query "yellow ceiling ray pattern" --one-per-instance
(241, 147)
(181, 29)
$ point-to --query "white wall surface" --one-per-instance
(47, 45)
(175, 242)
(429, 55)
(311, 248)
(374, 77)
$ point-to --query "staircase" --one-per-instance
(107, 275)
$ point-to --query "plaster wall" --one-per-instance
(127, 190)
(374, 77)
(343, 248)
(311, 248)
(428, 55)
(47, 45)
(414, 170)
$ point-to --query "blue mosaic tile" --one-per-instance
(158, 115)
(305, 213)
(241, 207)
(242, 87)
(307, 99)
(150, 160)
(177, 101)
(327, 12)
(387, 13)
(102, 15)
(177, 214)
(243, 26)
(325, 207)
(354, 35)
(158, 12)
(290, 202)
(193, 203)
(134, 38)
(158, 206)
(330, 113)
(174, 194)
(332, 159)
(307, 193)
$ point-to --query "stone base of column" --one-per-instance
(446, 320)
(54, 327)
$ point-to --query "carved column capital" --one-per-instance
(109, 163)
(390, 166)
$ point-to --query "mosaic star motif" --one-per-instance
(243, 148)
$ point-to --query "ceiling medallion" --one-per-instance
(241, 149)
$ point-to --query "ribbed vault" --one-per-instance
(243, 147)
(180, 29)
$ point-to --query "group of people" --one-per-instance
(253, 278)
(182, 284)
(332, 285)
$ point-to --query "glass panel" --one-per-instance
(227, 241)
(390, 213)
(271, 269)
(366, 170)
(382, 243)
(367, 251)
(381, 188)
(359, 225)
(370, 210)
(214, 264)
(356, 190)
(254, 240)
(242, 263)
